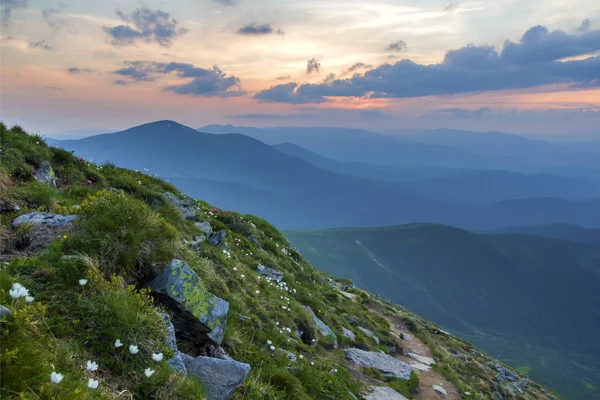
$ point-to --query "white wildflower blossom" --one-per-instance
(148, 372)
(118, 343)
(18, 290)
(92, 365)
(92, 383)
(157, 357)
(82, 282)
(133, 349)
(56, 378)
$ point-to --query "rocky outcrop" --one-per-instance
(187, 207)
(322, 328)
(383, 393)
(218, 377)
(199, 315)
(369, 333)
(270, 273)
(349, 334)
(387, 365)
(44, 174)
(43, 218)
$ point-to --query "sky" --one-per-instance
(76, 67)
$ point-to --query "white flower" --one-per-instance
(269, 342)
(92, 365)
(312, 363)
(29, 299)
(272, 347)
(133, 349)
(82, 282)
(258, 291)
(148, 372)
(56, 378)
(314, 340)
(118, 343)
(301, 356)
(242, 276)
(157, 357)
(18, 290)
(93, 383)
(334, 370)
(283, 307)
(235, 268)
(277, 323)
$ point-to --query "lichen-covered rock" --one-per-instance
(176, 363)
(349, 334)
(383, 393)
(45, 218)
(199, 315)
(386, 364)
(216, 238)
(187, 207)
(44, 174)
(218, 377)
(270, 273)
(369, 333)
(322, 328)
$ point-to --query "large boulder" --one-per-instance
(369, 333)
(386, 364)
(218, 377)
(187, 207)
(322, 328)
(270, 273)
(198, 315)
(43, 218)
(44, 174)
(383, 393)
(176, 363)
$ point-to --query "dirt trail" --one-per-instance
(427, 378)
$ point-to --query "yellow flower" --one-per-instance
(64, 236)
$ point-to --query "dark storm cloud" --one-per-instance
(148, 26)
(537, 59)
(204, 82)
(398, 46)
(259, 30)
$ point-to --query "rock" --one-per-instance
(322, 328)
(45, 218)
(186, 207)
(386, 364)
(221, 354)
(44, 174)
(369, 333)
(216, 238)
(439, 389)
(421, 367)
(204, 227)
(351, 320)
(270, 273)
(176, 363)
(243, 318)
(349, 334)
(199, 315)
(383, 393)
(290, 356)
(4, 312)
(405, 336)
(422, 359)
(218, 377)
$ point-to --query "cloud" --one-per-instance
(272, 116)
(204, 82)
(148, 26)
(283, 78)
(537, 59)
(75, 70)
(397, 46)
(6, 9)
(226, 3)
(313, 65)
(40, 44)
(359, 65)
(450, 7)
(49, 13)
(586, 26)
(462, 113)
(55, 88)
(120, 82)
(258, 30)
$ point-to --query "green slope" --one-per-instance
(530, 301)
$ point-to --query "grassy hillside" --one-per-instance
(72, 293)
(530, 301)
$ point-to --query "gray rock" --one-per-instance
(199, 315)
(383, 393)
(218, 377)
(204, 227)
(176, 363)
(270, 273)
(422, 359)
(290, 356)
(351, 320)
(221, 354)
(244, 318)
(216, 238)
(349, 334)
(4, 312)
(321, 327)
(186, 207)
(369, 333)
(44, 218)
(386, 364)
(439, 389)
(44, 174)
